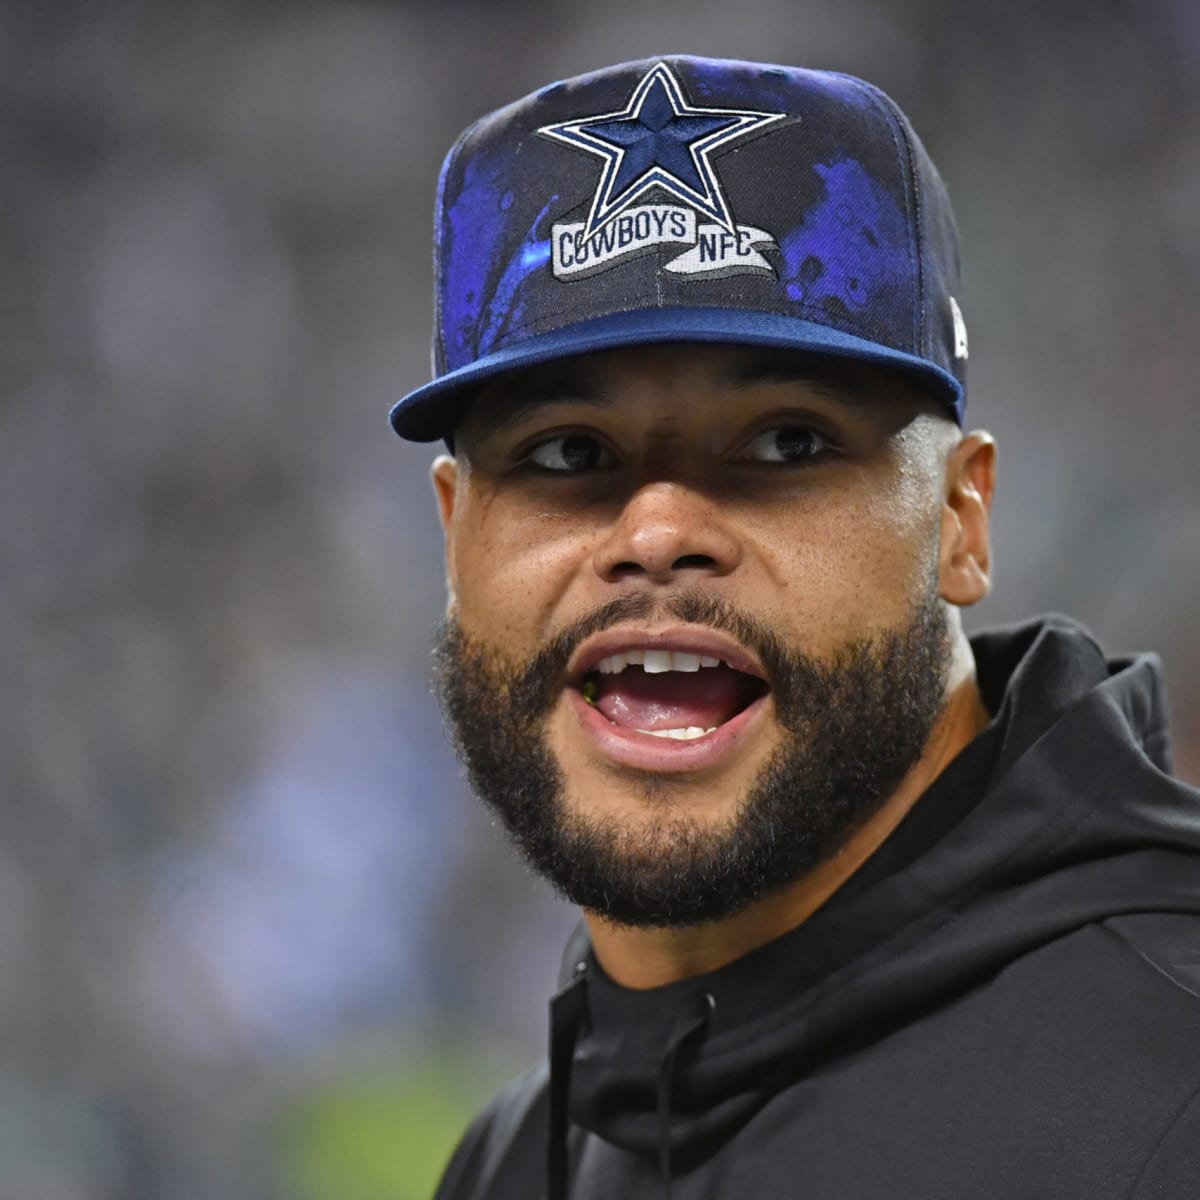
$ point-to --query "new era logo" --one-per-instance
(960, 330)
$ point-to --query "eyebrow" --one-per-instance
(538, 389)
(790, 367)
(575, 385)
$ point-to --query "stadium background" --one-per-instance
(255, 940)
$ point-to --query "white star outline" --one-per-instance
(711, 202)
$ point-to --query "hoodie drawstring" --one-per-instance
(566, 1016)
(690, 1021)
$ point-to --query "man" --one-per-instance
(868, 910)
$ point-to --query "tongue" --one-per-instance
(675, 699)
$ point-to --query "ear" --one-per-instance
(444, 474)
(965, 561)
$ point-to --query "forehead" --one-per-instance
(681, 373)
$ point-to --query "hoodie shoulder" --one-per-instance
(1169, 944)
(506, 1139)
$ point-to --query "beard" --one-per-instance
(853, 727)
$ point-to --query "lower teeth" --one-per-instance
(680, 735)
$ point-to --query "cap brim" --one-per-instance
(433, 411)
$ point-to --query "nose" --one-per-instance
(665, 530)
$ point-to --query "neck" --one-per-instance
(647, 958)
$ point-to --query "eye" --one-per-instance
(570, 452)
(786, 444)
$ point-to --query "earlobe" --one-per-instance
(965, 560)
(444, 476)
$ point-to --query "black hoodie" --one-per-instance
(1003, 1002)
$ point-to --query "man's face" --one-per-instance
(694, 634)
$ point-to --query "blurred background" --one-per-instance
(256, 942)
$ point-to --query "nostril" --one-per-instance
(624, 569)
(693, 560)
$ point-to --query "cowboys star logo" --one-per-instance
(658, 140)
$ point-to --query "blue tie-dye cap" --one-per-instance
(683, 199)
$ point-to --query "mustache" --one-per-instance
(533, 689)
(692, 607)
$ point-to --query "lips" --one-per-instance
(666, 699)
(681, 640)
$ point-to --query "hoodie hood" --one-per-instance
(1061, 814)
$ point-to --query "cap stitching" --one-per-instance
(801, 311)
(440, 349)
(925, 341)
(904, 161)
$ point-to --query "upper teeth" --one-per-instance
(655, 661)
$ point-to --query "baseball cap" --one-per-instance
(683, 199)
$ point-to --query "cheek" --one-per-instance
(862, 556)
(513, 568)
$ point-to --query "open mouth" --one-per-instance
(665, 692)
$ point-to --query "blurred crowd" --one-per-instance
(256, 941)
